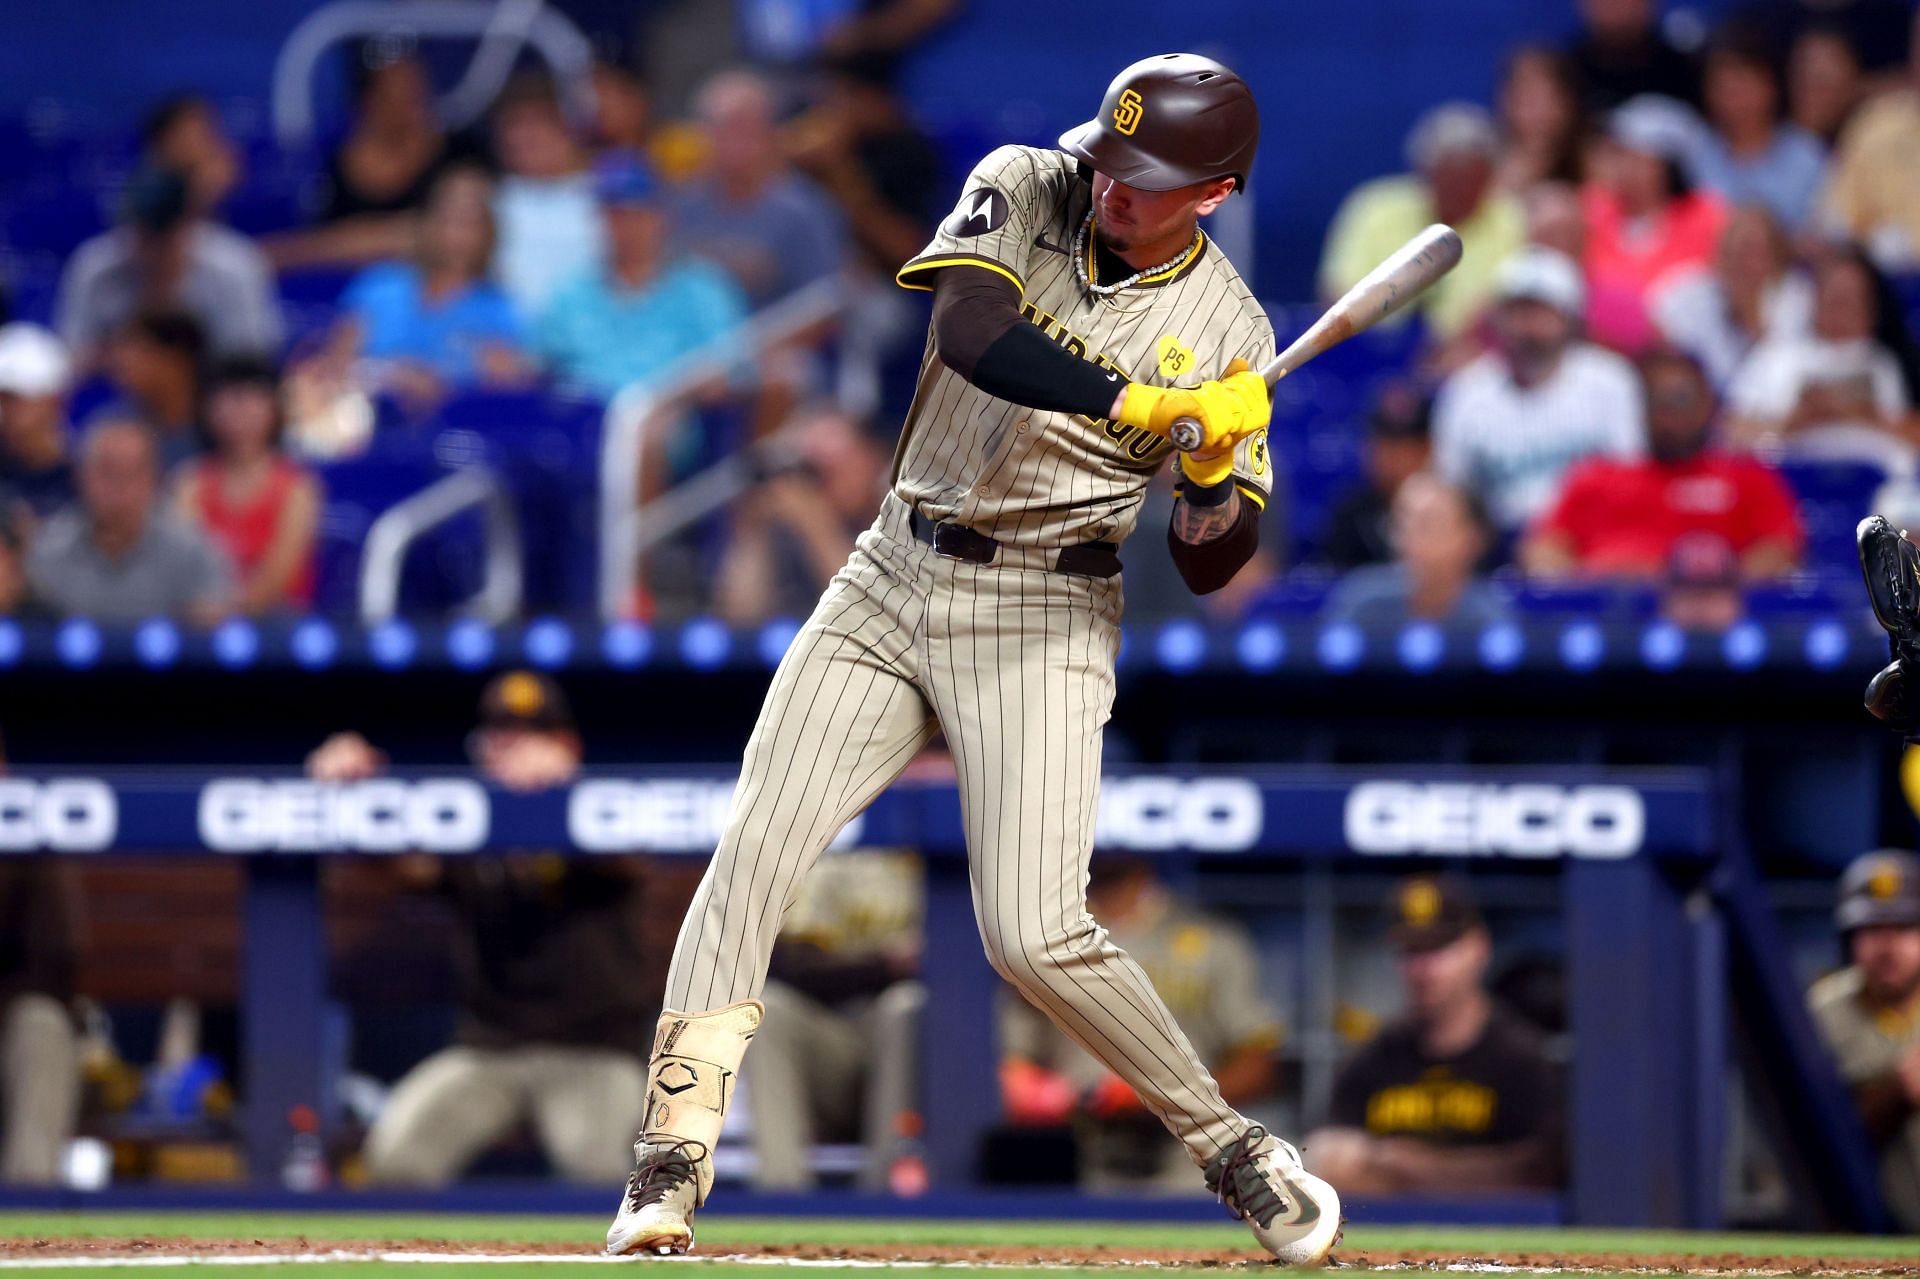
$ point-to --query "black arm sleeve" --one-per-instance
(1207, 566)
(980, 334)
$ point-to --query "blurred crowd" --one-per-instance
(1677, 353)
(1676, 318)
(163, 435)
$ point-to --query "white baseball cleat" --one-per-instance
(656, 1211)
(1294, 1214)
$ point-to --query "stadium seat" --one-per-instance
(1298, 593)
(1833, 498)
(1803, 595)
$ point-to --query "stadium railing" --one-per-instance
(401, 525)
(640, 411)
(503, 29)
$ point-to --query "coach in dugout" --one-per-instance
(1458, 1095)
(1868, 1014)
(554, 1023)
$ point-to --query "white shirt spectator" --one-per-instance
(550, 231)
(228, 287)
(1511, 444)
(1770, 382)
(1690, 310)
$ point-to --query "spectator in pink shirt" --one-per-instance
(1616, 316)
(1643, 216)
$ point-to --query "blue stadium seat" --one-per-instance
(54, 221)
(1833, 498)
(443, 569)
(310, 301)
(1908, 287)
(1580, 598)
(1298, 593)
(1805, 594)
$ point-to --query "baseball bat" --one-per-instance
(1410, 271)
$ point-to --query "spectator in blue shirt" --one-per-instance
(436, 323)
(1753, 154)
(633, 319)
(773, 229)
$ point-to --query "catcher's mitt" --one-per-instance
(1891, 565)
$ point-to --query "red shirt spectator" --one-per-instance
(250, 499)
(1624, 518)
(246, 529)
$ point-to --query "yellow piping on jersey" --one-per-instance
(961, 259)
(1179, 265)
(1171, 271)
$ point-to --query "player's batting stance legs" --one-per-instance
(839, 723)
(986, 600)
(1018, 667)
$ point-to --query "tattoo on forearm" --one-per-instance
(1195, 525)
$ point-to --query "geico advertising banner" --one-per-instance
(1308, 813)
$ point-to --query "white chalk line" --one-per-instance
(335, 1256)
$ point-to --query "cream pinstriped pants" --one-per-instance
(1015, 664)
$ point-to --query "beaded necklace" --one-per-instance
(1083, 257)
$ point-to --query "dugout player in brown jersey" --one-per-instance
(1079, 311)
(1868, 1013)
(1456, 1096)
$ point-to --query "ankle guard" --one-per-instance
(696, 1058)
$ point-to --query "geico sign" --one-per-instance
(665, 816)
(61, 814)
(1208, 814)
(387, 815)
(1522, 820)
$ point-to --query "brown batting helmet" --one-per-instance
(1170, 121)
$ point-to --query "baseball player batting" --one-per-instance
(1079, 313)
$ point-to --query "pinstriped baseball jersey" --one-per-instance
(1028, 477)
(1012, 661)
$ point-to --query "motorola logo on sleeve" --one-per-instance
(980, 211)
(1519, 820)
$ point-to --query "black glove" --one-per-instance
(1891, 565)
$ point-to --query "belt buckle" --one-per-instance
(949, 539)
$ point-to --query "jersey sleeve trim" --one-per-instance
(916, 274)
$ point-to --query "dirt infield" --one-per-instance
(142, 1247)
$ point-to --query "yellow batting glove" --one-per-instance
(1207, 467)
(1157, 408)
(1248, 402)
(1238, 405)
(1228, 410)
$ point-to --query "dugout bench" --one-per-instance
(1669, 944)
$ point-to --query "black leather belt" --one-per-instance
(958, 542)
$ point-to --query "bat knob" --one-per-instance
(1185, 434)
